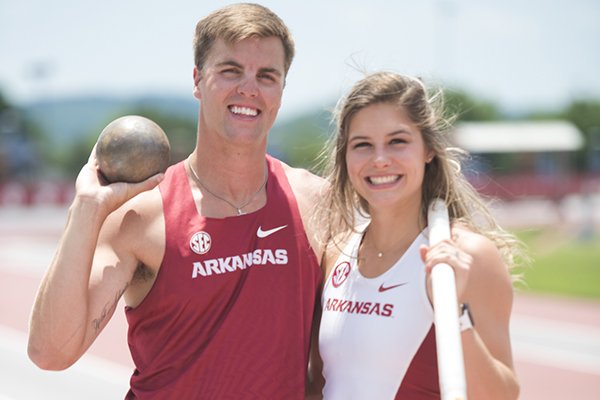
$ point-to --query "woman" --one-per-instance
(390, 158)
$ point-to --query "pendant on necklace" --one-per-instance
(380, 254)
(240, 212)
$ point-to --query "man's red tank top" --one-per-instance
(230, 313)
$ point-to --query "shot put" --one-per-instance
(132, 149)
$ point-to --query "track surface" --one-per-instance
(556, 341)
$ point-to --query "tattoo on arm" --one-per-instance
(108, 308)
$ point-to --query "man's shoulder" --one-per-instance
(308, 189)
(303, 181)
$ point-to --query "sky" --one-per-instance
(520, 55)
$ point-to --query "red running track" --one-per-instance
(556, 341)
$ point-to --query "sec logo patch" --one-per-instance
(340, 273)
(200, 242)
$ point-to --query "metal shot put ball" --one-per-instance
(132, 149)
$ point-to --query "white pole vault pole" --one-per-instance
(451, 367)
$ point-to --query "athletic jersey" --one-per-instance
(376, 336)
(229, 315)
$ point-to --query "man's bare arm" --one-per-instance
(75, 300)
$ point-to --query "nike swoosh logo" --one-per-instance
(263, 234)
(383, 288)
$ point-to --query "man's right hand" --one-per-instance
(90, 186)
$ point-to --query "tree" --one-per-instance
(21, 143)
(585, 114)
(3, 102)
(180, 130)
(468, 108)
(300, 140)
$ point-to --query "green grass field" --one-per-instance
(562, 263)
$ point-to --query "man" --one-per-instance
(219, 264)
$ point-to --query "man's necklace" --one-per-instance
(239, 209)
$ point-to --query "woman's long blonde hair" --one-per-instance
(443, 178)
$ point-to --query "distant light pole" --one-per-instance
(40, 73)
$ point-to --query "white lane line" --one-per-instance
(564, 345)
(92, 377)
(26, 257)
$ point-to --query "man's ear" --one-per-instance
(197, 75)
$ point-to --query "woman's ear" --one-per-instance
(430, 157)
